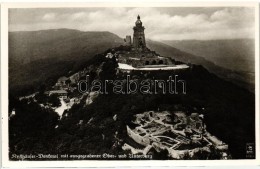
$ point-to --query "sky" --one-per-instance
(173, 23)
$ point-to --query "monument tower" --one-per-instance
(138, 38)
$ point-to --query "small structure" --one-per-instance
(128, 40)
(60, 93)
(62, 81)
(195, 123)
(109, 55)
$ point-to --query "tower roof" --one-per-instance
(138, 22)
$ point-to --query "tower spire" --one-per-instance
(138, 38)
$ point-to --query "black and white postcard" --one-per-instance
(99, 84)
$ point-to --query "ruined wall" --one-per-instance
(137, 138)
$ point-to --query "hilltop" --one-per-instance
(100, 125)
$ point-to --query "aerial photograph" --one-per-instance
(131, 83)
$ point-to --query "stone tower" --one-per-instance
(138, 38)
(128, 40)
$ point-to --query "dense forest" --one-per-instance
(228, 110)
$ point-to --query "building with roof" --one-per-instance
(60, 93)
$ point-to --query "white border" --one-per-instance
(103, 163)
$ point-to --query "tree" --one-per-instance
(54, 100)
(68, 82)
